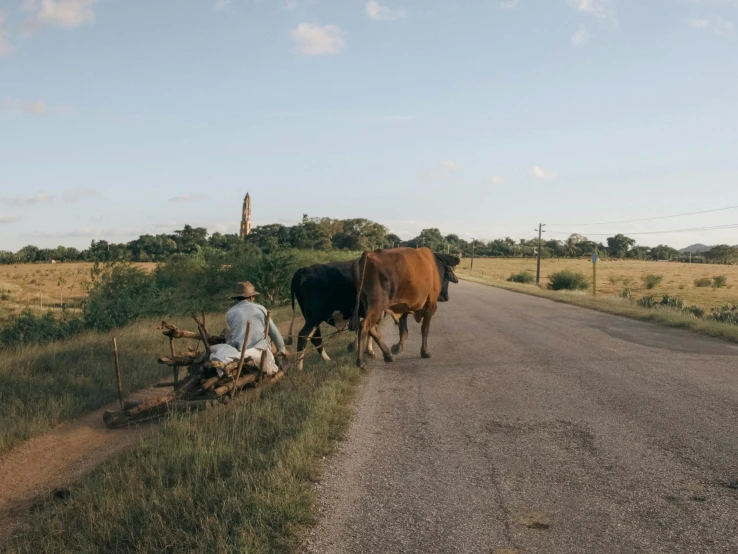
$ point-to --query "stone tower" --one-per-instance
(246, 216)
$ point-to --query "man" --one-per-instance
(245, 310)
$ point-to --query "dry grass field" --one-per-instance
(613, 276)
(41, 287)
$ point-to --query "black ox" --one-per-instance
(325, 293)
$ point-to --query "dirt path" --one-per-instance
(31, 472)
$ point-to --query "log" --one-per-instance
(172, 331)
(183, 359)
(243, 381)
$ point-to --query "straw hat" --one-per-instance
(244, 290)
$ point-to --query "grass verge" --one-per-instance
(44, 385)
(235, 479)
(615, 305)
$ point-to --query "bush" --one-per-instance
(648, 302)
(626, 293)
(673, 302)
(30, 328)
(703, 282)
(719, 281)
(695, 311)
(522, 277)
(726, 314)
(568, 280)
(652, 280)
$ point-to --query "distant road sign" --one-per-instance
(594, 258)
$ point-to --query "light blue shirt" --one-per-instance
(237, 318)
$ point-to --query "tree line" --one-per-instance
(327, 234)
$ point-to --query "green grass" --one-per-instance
(616, 305)
(234, 479)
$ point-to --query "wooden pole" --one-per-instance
(204, 325)
(266, 337)
(538, 263)
(175, 369)
(471, 265)
(246, 338)
(203, 336)
(117, 372)
(594, 278)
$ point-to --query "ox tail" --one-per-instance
(359, 282)
(288, 340)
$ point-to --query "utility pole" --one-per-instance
(471, 266)
(540, 243)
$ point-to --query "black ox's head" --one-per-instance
(446, 264)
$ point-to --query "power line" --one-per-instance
(717, 227)
(642, 219)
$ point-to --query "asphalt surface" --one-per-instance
(538, 427)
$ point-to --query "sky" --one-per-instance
(478, 117)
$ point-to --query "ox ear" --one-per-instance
(451, 275)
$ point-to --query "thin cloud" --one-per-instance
(497, 180)
(4, 40)
(698, 23)
(311, 40)
(66, 14)
(35, 200)
(540, 173)
(448, 167)
(6, 219)
(581, 37)
(509, 4)
(377, 12)
(600, 9)
(30, 107)
(185, 197)
(720, 26)
(221, 5)
(78, 193)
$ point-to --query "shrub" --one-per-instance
(726, 314)
(652, 280)
(626, 293)
(613, 280)
(648, 302)
(568, 280)
(703, 282)
(673, 302)
(695, 311)
(719, 281)
(522, 277)
(30, 328)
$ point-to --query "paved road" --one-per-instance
(539, 427)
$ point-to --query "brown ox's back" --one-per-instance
(401, 279)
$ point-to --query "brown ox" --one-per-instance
(401, 281)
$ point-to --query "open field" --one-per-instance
(613, 276)
(40, 287)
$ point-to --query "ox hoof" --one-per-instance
(424, 354)
(396, 349)
(370, 354)
(388, 358)
(361, 366)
